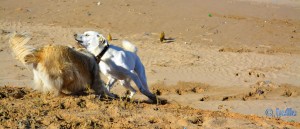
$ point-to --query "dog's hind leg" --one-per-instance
(140, 70)
(56, 85)
(141, 87)
(126, 84)
(49, 83)
(38, 84)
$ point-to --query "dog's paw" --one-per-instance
(158, 101)
(114, 96)
(129, 94)
(161, 101)
(110, 96)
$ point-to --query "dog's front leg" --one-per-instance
(99, 87)
(110, 83)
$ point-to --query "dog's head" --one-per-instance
(90, 39)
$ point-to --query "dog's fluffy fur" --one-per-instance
(58, 68)
(117, 63)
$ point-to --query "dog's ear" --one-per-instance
(101, 39)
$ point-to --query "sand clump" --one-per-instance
(25, 108)
(180, 88)
(260, 91)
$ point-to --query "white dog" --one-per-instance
(117, 63)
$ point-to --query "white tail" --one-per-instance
(129, 46)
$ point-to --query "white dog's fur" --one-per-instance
(117, 63)
(59, 68)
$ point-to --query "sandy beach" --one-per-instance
(229, 65)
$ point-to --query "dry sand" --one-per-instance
(220, 71)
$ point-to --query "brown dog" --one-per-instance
(59, 68)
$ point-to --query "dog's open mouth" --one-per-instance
(79, 41)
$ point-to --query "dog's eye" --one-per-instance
(98, 36)
(87, 35)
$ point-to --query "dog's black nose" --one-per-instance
(75, 35)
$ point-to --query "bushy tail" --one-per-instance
(23, 53)
(129, 46)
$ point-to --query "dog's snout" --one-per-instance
(75, 35)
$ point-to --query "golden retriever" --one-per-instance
(59, 69)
